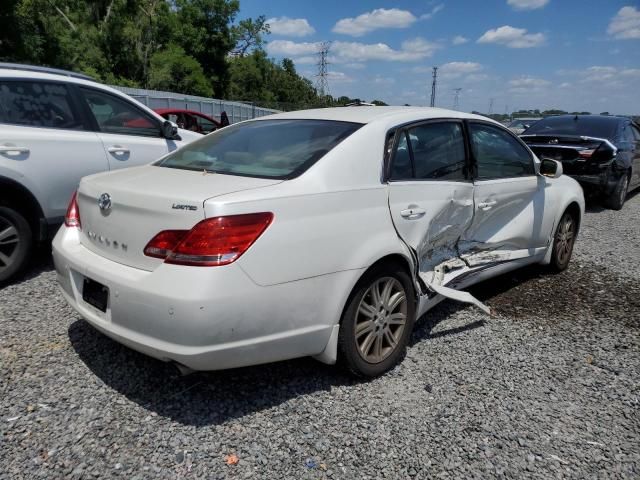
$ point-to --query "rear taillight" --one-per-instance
(72, 218)
(586, 153)
(212, 242)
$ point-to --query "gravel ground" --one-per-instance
(548, 387)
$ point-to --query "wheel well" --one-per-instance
(393, 259)
(574, 210)
(22, 200)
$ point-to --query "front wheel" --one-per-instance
(15, 242)
(378, 321)
(563, 241)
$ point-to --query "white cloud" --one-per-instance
(379, 80)
(287, 48)
(434, 10)
(355, 52)
(290, 27)
(339, 77)
(459, 40)
(527, 84)
(354, 66)
(458, 69)
(374, 20)
(626, 24)
(513, 37)
(527, 4)
(306, 60)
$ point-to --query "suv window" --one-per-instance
(636, 133)
(115, 115)
(433, 151)
(38, 104)
(498, 154)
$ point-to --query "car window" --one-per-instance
(498, 154)
(206, 126)
(115, 115)
(438, 151)
(401, 168)
(38, 104)
(262, 148)
(627, 133)
(636, 133)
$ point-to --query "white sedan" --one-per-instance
(321, 233)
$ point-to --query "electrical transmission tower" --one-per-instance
(433, 86)
(491, 100)
(456, 98)
(322, 82)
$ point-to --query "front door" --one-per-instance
(430, 194)
(509, 200)
(129, 135)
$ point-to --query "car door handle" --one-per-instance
(413, 213)
(487, 205)
(118, 150)
(12, 149)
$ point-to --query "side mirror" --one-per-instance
(550, 168)
(170, 130)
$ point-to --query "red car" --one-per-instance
(190, 119)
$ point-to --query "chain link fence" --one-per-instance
(236, 111)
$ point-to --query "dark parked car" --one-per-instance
(190, 119)
(601, 152)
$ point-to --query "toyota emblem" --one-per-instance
(104, 202)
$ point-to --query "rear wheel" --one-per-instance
(563, 241)
(377, 322)
(15, 242)
(615, 200)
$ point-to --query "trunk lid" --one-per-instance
(580, 155)
(144, 201)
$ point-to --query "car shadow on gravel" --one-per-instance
(211, 398)
(42, 261)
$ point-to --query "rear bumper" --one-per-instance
(604, 182)
(204, 318)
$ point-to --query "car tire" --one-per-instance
(615, 200)
(377, 323)
(16, 239)
(563, 242)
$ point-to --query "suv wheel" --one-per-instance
(615, 200)
(15, 242)
(377, 322)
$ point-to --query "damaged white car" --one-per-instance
(320, 233)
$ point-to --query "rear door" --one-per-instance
(509, 199)
(130, 136)
(46, 139)
(430, 192)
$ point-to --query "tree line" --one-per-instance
(192, 47)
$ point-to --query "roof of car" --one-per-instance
(40, 69)
(370, 114)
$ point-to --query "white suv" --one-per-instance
(55, 128)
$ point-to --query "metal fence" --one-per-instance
(236, 111)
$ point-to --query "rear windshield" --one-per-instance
(264, 148)
(570, 125)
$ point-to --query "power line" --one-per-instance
(456, 98)
(322, 83)
(433, 86)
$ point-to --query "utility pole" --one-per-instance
(322, 82)
(456, 98)
(433, 86)
(491, 100)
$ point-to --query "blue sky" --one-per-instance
(569, 54)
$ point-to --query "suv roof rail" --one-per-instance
(36, 68)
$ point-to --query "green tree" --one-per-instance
(249, 35)
(173, 70)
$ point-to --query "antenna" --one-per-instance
(433, 86)
(456, 98)
(322, 83)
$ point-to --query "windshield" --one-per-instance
(265, 148)
(575, 125)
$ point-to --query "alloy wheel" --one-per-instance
(565, 238)
(380, 319)
(9, 243)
